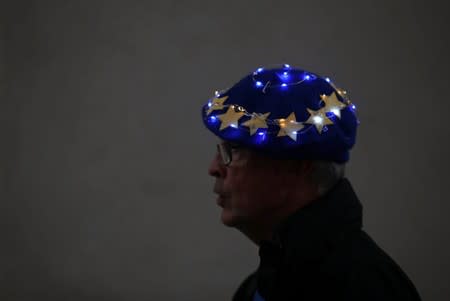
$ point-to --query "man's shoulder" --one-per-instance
(355, 268)
(355, 247)
(363, 267)
(353, 250)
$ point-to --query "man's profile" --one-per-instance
(285, 136)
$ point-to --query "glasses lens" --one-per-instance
(225, 153)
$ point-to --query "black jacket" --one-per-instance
(321, 253)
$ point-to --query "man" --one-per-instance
(285, 136)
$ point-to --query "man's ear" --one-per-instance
(307, 167)
(302, 168)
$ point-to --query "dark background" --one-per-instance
(104, 186)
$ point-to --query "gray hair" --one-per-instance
(326, 174)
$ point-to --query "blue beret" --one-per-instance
(286, 113)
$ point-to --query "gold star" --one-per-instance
(258, 121)
(216, 104)
(289, 127)
(342, 93)
(318, 118)
(332, 104)
(230, 118)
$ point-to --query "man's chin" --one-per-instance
(229, 218)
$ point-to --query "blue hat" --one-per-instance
(285, 113)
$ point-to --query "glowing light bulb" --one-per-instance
(213, 118)
(327, 79)
(336, 111)
(284, 85)
(287, 66)
(318, 119)
(234, 125)
(260, 69)
(209, 104)
(353, 107)
(259, 84)
(307, 77)
(285, 76)
(261, 137)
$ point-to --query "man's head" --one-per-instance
(256, 191)
(294, 130)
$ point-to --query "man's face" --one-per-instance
(249, 189)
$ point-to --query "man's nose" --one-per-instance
(216, 168)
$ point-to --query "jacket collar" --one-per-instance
(307, 233)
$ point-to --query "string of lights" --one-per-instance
(289, 126)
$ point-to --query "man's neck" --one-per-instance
(264, 231)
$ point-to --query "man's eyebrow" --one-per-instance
(235, 145)
(231, 144)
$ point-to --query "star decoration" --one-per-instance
(289, 127)
(318, 118)
(217, 104)
(258, 121)
(230, 118)
(332, 104)
(342, 93)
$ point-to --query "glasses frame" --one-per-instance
(225, 150)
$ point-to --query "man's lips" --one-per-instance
(219, 192)
(220, 199)
(221, 195)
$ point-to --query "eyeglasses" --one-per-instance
(225, 151)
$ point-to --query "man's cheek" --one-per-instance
(236, 180)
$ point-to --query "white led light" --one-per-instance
(327, 79)
(260, 69)
(259, 84)
(318, 119)
(234, 125)
(335, 111)
(284, 85)
(209, 104)
(287, 66)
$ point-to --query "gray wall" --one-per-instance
(6, 135)
(105, 194)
